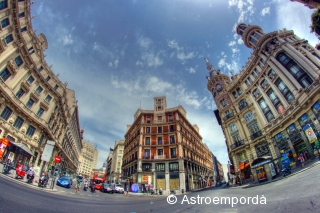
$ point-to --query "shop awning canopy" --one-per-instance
(22, 146)
(260, 161)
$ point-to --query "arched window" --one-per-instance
(295, 70)
(219, 88)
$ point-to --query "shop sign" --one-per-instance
(4, 143)
(57, 159)
(241, 165)
(310, 133)
(261, 173)
(260, 164)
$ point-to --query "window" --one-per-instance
(235, 94)
(40, 112)
(5, 74)
(284, 90)
(249, 79)
(18, 123)
(147, 129)
(266, 110)
(39, 89)
(23, 29)
(160, 152)
(242, 104)
(9, 38)
(20, 93)
(21, 15)
(295, 70)
(252, 40)
(264, 84)
(30, 103)
(3, 4)
(159, 140)
(55, 87)
(148, 119)
(273, 97)
(233, 127)
(48, 78)
(160, 167)
(30, 131)
(147, 153)
(171, 127)
(18, 61)
(30, 79)
(256, 93)
(171, 138)
(242, 155)
(159, 118)
(5, 22)
(254, 74)
(239, 91)
(40, 69)
(48, 98)
(147, 141)
(247, 82)
(173, 152)
(272, 74)
(223, 103)
(31, 50)
(159, 129)
(248, 116)
(6, 113)
(219, 88)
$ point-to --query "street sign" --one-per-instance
(57, 159)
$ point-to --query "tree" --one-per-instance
(315, 20)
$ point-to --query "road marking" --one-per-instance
(229, 211)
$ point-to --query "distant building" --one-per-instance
(109, 165)
(88, 159)
(163, 149)
(115, 171)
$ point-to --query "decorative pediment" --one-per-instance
(25, 87)
(34, 97)
(44, 105)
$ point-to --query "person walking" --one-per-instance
(301, 159)
(78, 185)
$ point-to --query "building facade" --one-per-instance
(109, 166)
(88, 159)
(35, 105)
(312, 4)
(116, 164)
(269, 112)
(164, 150)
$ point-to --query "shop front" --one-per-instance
(4, 143)
(265, 168)
(17, 152)
(245, 170)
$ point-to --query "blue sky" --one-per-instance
(117, 54)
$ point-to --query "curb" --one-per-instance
(278, 179)
(27, 185)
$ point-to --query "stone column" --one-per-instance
(276, 91)
(167, 177)
(269, 103)
(310, 56)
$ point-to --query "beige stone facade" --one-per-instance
(35, 105)
(163, 149)
(116, 163)
(88, 159)
(269, 112)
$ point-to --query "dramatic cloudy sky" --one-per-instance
(117, 54)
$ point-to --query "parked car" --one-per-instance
(64, 181)
(223, 182)
(105, 187)
(119, 189)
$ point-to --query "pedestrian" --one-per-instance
(306, 155)
(78, 185)
(301, 159)
(127, 191)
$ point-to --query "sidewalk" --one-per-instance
(11, 177)
(295, 170)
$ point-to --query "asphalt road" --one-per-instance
(298, 193)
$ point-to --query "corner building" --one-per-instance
(269, 112)
(35, 106)
(164, 150)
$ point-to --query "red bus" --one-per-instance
(99, 178)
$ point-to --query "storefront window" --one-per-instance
(261, 173)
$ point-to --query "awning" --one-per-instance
(261, 161)
(22, 146)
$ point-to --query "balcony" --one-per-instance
(159, 157)
(237, 144)
(229, 115)
(256, 135)
(262, 152)
(295, 137)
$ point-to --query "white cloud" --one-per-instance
(116, 62)
(139, 63)
(265, 11)
(298, 21)
(240, 41)
(191, 70)
(144, 42)
(39, 10)
(110, 65)
(232, 43)
(151, 59)
(66, 39)
(183, 56)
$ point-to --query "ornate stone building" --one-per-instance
(116, 164)
(88, 159)
(163, 149)
(35, 105)
(312, 4)
(269, 112)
